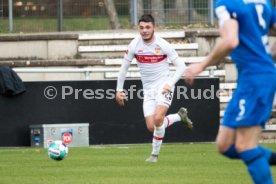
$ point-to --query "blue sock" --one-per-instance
(257, 165)
(232, 153)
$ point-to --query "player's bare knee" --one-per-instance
(222, 146)
(240, 147)
(158, 120)
(150, 128)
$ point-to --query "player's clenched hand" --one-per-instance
(121, 98)
(192, 71)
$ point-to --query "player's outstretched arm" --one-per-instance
(273, 48)
(273, 51)
(120, 95)
(228, 41)
(180, 68)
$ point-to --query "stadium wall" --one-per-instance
(93, 102)
(52, 46)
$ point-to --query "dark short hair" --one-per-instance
(147, 18)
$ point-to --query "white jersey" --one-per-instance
(152, 60)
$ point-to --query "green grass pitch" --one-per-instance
(123, 164)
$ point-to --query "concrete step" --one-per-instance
(136, 74)
(122, 48)
(109, 67)
(121, 52)
(124, 37)
(119, 35)
(110, 44)
(51, 63)
(112, 51)
(108, 71)
(84, 62)
(187, 60)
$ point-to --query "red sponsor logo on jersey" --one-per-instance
(150, 58)
(140, 50)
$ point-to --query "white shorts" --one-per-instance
(154, 97)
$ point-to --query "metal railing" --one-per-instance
(83, 15)
(209, 72)
(85, 71)
(175, 12)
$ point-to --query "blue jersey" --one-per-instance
(255, 18)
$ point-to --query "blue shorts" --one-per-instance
(251, 103)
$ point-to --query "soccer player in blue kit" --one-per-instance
(244, 25)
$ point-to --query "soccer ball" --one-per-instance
(57, 150)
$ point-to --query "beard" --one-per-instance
(150, 38)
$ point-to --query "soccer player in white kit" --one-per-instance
(152, 53)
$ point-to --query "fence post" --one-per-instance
(211, 11)
(190, 10)
(133, 12)
(59, 14)
(10, 16)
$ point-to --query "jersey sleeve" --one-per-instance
(169, 50)
(222, 12)
(129, 53)
(122, 76)
(173, 57)
(180, 68)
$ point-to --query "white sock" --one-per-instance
(171, 119)
(157, 139)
